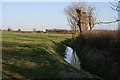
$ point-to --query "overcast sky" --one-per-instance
(48, 15)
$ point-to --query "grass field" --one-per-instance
(32, 55)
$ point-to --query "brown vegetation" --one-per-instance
(99, 53)
(61, 31)
(51, 31)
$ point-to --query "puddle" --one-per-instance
(71, 57)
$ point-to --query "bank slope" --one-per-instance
(32, 55)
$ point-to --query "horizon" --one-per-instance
(49, 15)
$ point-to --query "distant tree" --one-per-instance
(46, 30)
(34, 30)
(8, 29)
(19, 29)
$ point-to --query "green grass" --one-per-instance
(32, 55)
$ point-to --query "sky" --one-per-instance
(49, 15)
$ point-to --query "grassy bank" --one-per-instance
(32, 55)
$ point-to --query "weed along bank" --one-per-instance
(98, 52)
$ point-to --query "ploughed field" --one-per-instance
(33, 55)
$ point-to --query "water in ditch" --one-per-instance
(71, 57)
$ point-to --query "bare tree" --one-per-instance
(116, 6)
(79, 15)
(91, 17)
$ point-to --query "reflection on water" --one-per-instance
(71, 57)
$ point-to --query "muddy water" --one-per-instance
(71, 57)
